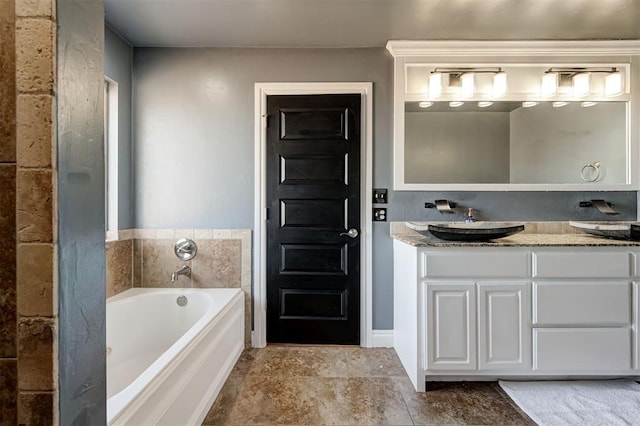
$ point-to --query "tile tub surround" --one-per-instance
(223, 260)
(119, 266)
(348, 385)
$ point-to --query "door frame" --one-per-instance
(262, 90)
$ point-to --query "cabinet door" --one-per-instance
(451, 326)
(504, 330)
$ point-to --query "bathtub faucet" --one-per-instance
(184, 270)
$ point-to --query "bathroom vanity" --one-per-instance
(526, 306)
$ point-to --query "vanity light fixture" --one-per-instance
(613, 83)
(499, 88)
(425, 104)
(529, 104)
(581, 84)
(484, 104)
(559, 104)
(464, 78)
(549, 86)
(467, 85)
(579, 79)
(435, 84)
(455, 104)
(587, 104)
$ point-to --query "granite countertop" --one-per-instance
(554, 234)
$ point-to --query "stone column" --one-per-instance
(8, 350)
(36, 224)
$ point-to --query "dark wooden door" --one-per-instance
(313, 196)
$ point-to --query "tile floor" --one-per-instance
(338, 385)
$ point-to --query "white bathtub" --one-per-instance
(166, 363)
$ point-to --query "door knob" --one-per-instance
(351, 233)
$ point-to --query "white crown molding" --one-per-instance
(514, 48)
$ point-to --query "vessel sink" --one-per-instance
(476, 231)
(609, 229)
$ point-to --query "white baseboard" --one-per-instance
(382, 338)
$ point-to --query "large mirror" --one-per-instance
(516, 143)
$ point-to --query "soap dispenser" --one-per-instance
(470, 218)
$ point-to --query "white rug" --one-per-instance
(584, 403)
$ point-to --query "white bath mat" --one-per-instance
(584, 403)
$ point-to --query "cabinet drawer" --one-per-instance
(478, 264)
(562, 303)
(587, 350)
(592, 264)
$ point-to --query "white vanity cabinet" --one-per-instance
(515, 311)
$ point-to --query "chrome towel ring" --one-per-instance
(591, 169)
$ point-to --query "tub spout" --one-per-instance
(184, 270)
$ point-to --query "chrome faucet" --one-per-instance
(184, 270)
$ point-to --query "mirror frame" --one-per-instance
(624, 53)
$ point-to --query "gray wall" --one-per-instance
(193, 137)
(81, 250)
(118, 59)
(193, 130)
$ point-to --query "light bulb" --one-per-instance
(455, 104)
(425, 104)
(559, 104)
(467, 85)
(549, 86)
(499, 84)
(484, 104)
(587, 104)
(435, 85)
(613, 84)
(529, 104)
(582, 84)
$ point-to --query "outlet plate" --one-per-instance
(379, 214)
(380, 196)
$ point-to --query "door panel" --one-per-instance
(503, 329)
(314, 213)
(451, 326)
(313, 169)
(314, 124)
(313, 195)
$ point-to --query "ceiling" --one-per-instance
(365, 23)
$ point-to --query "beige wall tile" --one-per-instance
(34, 206)
(35, 49)
(125, 234)
(35, 408)
(44, 8)
(247, 266)
(145, 234)
(7, 82)
(137, 263)
(158, 262)
(119, 266)
(35, 280)
(165, 234)
(35, 354)
(202, 234)
(34, 131)
(183, 233)
(218, 264)
(247, 317)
